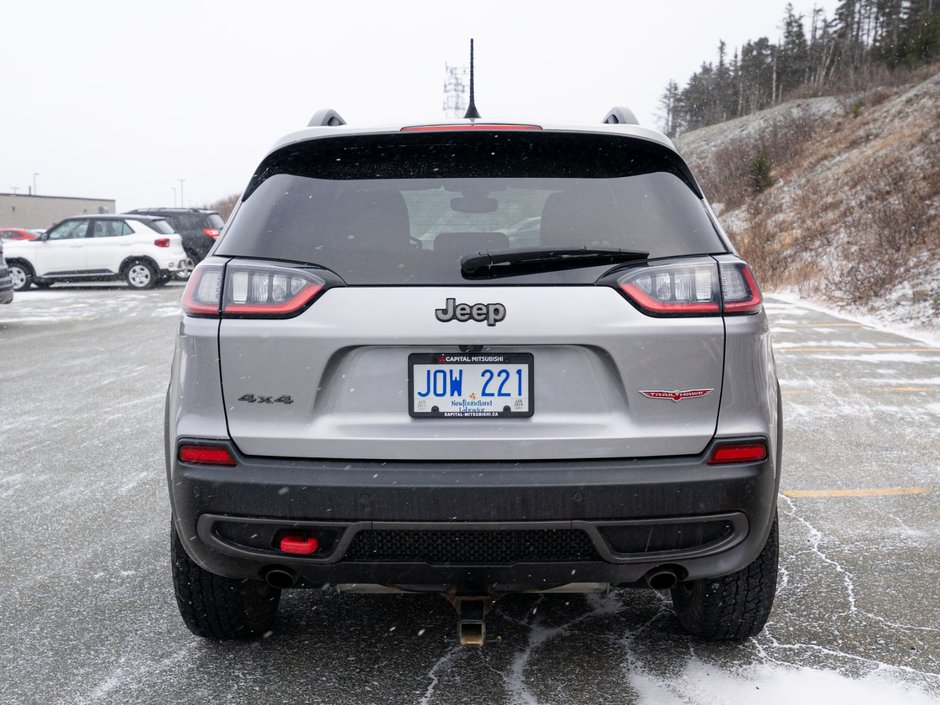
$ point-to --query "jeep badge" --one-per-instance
(452, 311)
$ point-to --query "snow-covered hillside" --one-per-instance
(849, 214)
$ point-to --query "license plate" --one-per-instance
(470, 385)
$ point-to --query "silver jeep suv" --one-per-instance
(473, 358)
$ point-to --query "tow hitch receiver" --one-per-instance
(471, 613)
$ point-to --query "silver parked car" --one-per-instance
(375, 384)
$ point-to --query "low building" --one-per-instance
(25, 211)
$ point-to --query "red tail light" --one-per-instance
(738, 453)
(203, 295)
(211, 232)
(675, 289)
(206, 455)
(162, 242)
(739, 291)
(250, 290)
(267, 291)
(700, 287)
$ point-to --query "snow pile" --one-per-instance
(700, 683)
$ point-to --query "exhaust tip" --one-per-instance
(662, 579)
(280, 578)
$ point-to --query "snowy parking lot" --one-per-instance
(87, 606)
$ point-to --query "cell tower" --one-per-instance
(454, 87)
(455, 90)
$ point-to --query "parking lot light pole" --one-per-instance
(35, 174)
(182, 202)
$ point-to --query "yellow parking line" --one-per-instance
(853, 351)
(861, 492)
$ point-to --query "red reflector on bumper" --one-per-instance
(738, 453)
(300, 545)
(206, 455)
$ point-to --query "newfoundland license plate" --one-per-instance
(462, 385)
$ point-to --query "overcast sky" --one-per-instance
(122, 99)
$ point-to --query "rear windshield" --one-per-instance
(215, 221)
(187, 222)
(404, 209)
(161, 226)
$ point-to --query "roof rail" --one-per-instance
(619, 115)
(326, 118)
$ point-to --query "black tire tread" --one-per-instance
(27, 271)
(733, 607)
(220, 608)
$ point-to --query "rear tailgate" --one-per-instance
(341, 369)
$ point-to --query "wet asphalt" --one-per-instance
(87, 611)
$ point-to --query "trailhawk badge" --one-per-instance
(675, 395)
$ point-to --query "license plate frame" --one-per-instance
(471, 361)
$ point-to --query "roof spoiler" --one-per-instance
(326, 118)
(619, 115)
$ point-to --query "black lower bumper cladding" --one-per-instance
(534, 523)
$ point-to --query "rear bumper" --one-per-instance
(173, 264)
(627, 517)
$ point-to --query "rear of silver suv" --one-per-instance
(474, 359)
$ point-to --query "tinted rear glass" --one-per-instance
(190, 221)
(161, 226)
(403, 209)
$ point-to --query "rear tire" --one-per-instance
(220, 608)
(733, 607)
(21, 274)
(140, 275)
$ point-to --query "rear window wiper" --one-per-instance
(508, 263)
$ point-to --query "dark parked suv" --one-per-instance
(198, 227)
(382, 381)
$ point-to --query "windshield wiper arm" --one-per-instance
(508, 263)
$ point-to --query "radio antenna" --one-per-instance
(472, 112)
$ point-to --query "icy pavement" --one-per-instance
(87, 609)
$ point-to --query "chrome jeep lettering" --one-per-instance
(452, 311)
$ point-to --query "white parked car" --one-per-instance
(142, 250)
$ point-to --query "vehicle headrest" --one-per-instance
(579, 219)
(378, 219)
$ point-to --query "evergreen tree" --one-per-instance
(793, 69)
(670, 108)
(839, 51)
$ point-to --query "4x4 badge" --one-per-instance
(452, 311)
(675, 395)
